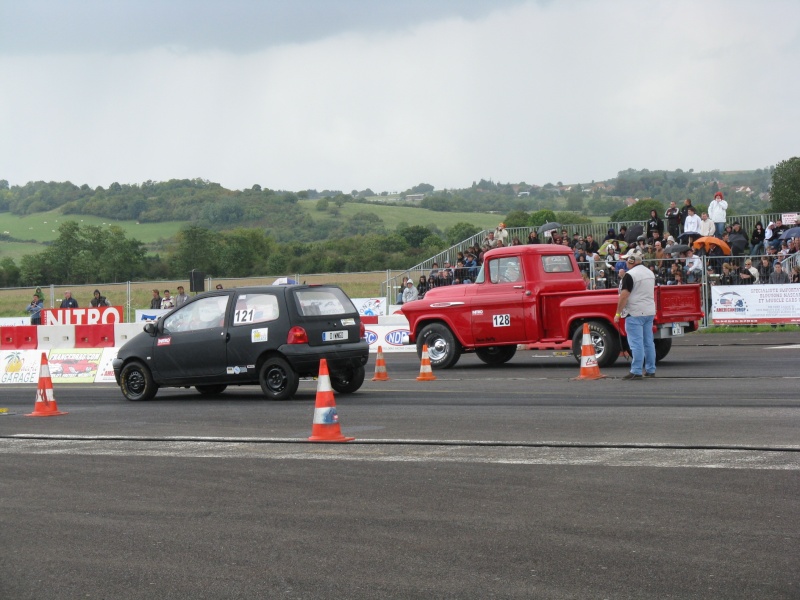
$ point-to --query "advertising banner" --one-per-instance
(75, 365)
(20, 366)
(753, 304)
(105, 372)
(390, 338)
(153, 314)
(83, 316)
(370, 306)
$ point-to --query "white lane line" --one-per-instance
(607, 457)
(791, 347)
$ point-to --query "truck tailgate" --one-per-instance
(678, 303)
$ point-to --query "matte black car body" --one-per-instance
(267, 335)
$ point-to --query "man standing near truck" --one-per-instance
(637, 305)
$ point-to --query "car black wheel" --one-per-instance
(662, 348)
(443, 348)
(136, 382)
(496, 355)
(278, 380)
(605, 340)
(211, 390)
(349, 382)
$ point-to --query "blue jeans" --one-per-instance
(719, 228)
(640, 339)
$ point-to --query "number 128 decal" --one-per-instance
(501, 320)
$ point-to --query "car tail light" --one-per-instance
(362, 331)
(297, 335)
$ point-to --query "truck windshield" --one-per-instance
(481, 276)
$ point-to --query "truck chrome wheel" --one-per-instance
(443, 348)
(605, 340)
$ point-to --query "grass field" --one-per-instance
(392, 216)
(43, 227)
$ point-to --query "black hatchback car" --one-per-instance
(267, 335)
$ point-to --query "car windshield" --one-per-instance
(323, 301)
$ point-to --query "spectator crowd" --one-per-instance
(682, 247)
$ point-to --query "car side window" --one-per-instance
(505, 270)
(255, 308)
(206, 313)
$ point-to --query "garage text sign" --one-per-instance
(83, 316)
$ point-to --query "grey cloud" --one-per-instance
(84, 26)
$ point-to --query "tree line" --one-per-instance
(280, 238)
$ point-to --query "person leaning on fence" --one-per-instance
(182, 298)
(410, 293)
(35, 308)
(744, 275)
(167, 301)
(422, 286)
(729, 275)
(155, 302)
(757, 239)
(68, 301)
(99, 300)
(778, 275)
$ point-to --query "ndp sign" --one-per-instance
(395, 338)
(83, 316)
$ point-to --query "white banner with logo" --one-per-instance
(370, 306)
(752, 304)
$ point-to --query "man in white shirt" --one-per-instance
(707, 226)
(692, 223)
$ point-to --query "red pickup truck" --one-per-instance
(535, 293)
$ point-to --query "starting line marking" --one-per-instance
(513, 455)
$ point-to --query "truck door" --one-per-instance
(498, 306)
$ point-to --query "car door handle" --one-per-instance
(518, 287)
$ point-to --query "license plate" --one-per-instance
(334, 336)
(677, 330)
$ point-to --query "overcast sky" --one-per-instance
(329, 94)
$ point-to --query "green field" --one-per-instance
(43, 227)
(392, 216)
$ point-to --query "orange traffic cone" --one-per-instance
(380, 367)
(425, 372)
(325, 427)
(589, 367)
(45, 405)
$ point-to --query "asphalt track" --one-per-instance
(507, 482)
